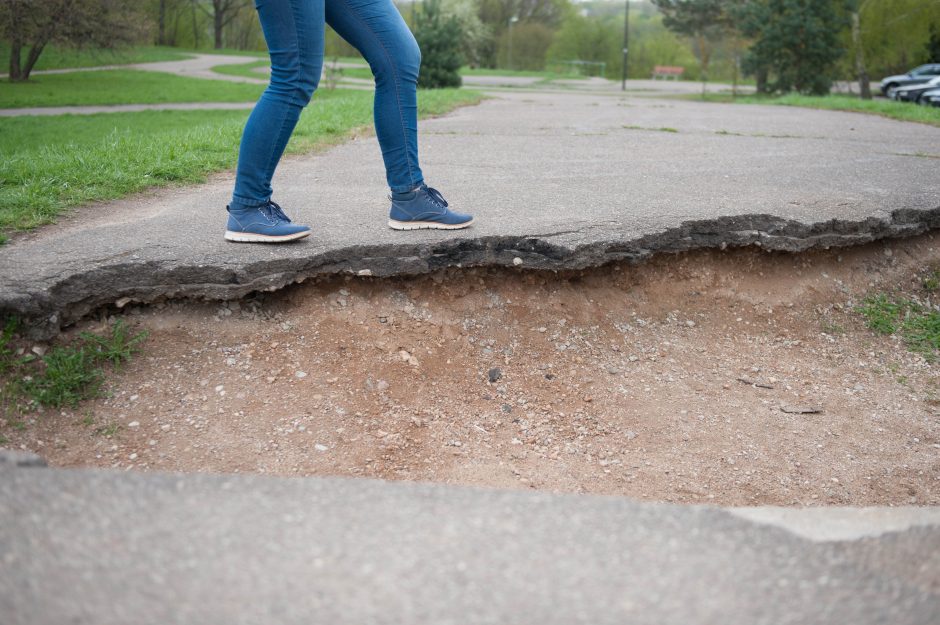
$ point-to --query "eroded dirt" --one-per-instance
(664, 381)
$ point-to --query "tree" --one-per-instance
(222, 14)
(33, 24)
(495, 15)
(169, 14)
(796, 42)
(861, 71)
(703, 20)
(474, 35)
(439, 40)
(933, 45)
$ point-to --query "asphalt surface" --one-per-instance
(108, 547)
(555, 180)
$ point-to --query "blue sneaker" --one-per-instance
(425, 208)
(262, 224)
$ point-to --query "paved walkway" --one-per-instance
(556, 180)
(108, 547)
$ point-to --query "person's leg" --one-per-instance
(377, 30)
(293, 30)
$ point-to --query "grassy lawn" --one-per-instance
(243, 69)
(902, 111)
(913, 318)
(49, 164)
(121, 86)
(57, 57)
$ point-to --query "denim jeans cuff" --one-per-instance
(244, 203)
(406, 188)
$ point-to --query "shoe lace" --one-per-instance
(273, 211)
(436, 196)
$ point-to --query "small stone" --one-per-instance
(320, 447)
(39, 350)
(122, 302)
(633, 359)
(382, 385)
(132, 457)
(300, 375)
(165, 427)
(506, 408)
(407, 357)
(494, 374)
(364, 272)
(134, 424)
(690, 323)
(630, 434)
(219, 388)
(516, 261)
(134, 397)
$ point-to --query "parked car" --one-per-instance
(916, 76)
(931, 98)
(912, 93)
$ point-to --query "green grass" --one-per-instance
(661, 129)
(916, 323)
(59, 57)
(901, 111)
(121, 87)
(48, 164)
(248, 70)
(243, 69)
(66, 374)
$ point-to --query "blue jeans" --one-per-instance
(294, 32)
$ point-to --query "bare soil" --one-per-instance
(662, 381)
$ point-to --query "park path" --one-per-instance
(200, 66)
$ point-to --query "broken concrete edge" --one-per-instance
(45, 308)
(13, 458)
(817, 524)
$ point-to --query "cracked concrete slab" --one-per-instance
(556, 181)
(85, 546)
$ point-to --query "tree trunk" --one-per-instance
(761, 76)
(31, 59)
(161, 24)
(16, 42)
(218, 14)
(195, 25)
(864, 83)
(16, 47)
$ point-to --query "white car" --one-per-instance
(915, 76)
(912, 93)
(930, 98)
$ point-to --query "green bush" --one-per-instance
(439, 40)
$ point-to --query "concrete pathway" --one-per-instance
(555, 180)
(108, 547)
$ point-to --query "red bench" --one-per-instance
(667, 71)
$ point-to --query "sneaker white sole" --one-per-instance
(251, 237)
(425, 225)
